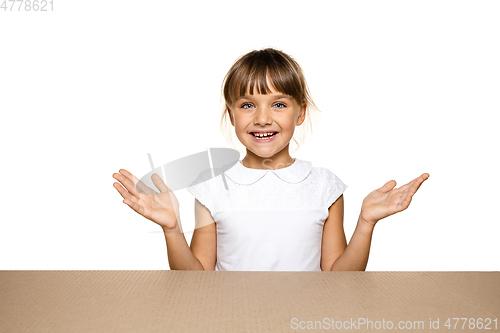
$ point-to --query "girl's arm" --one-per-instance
(204, 240)
(355, 256)
(202, 254)
(379, 204)
(180, 256)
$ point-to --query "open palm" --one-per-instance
(161, 208)
(388, 200)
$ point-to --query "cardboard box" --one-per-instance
(198, 301)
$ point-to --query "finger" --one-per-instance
(405, 187)
(134, 185)
(123, 178)
(420, 180)
(413, 188)
(124, 193)
(124, 183)
(139, 185)
(388, 186)
(415, 185)
(159, 183)
(134, 206)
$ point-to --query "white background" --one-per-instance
(92, 87)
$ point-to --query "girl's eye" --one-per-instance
(280, 105)
(244, 105)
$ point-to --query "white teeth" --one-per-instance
(263, 134)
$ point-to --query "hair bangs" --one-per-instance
(261, 73)
(248, 81)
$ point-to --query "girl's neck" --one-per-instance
(278, 161)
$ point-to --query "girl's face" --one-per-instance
(272, 113)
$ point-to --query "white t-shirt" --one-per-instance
(268, 220)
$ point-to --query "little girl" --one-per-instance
(277, 213)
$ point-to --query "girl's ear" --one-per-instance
(302, 115)
(230, 115)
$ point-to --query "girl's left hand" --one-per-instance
(388, 200)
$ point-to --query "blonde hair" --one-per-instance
(252, 70)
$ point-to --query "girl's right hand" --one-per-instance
(161, 208)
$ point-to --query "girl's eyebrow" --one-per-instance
(277, 97)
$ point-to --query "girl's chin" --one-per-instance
(264, 153)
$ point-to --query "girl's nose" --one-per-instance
(262, 117)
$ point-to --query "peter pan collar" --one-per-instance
(293, 173)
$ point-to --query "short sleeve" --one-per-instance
(335, 187)
(200, 189)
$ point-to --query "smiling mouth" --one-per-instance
(264, 136)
